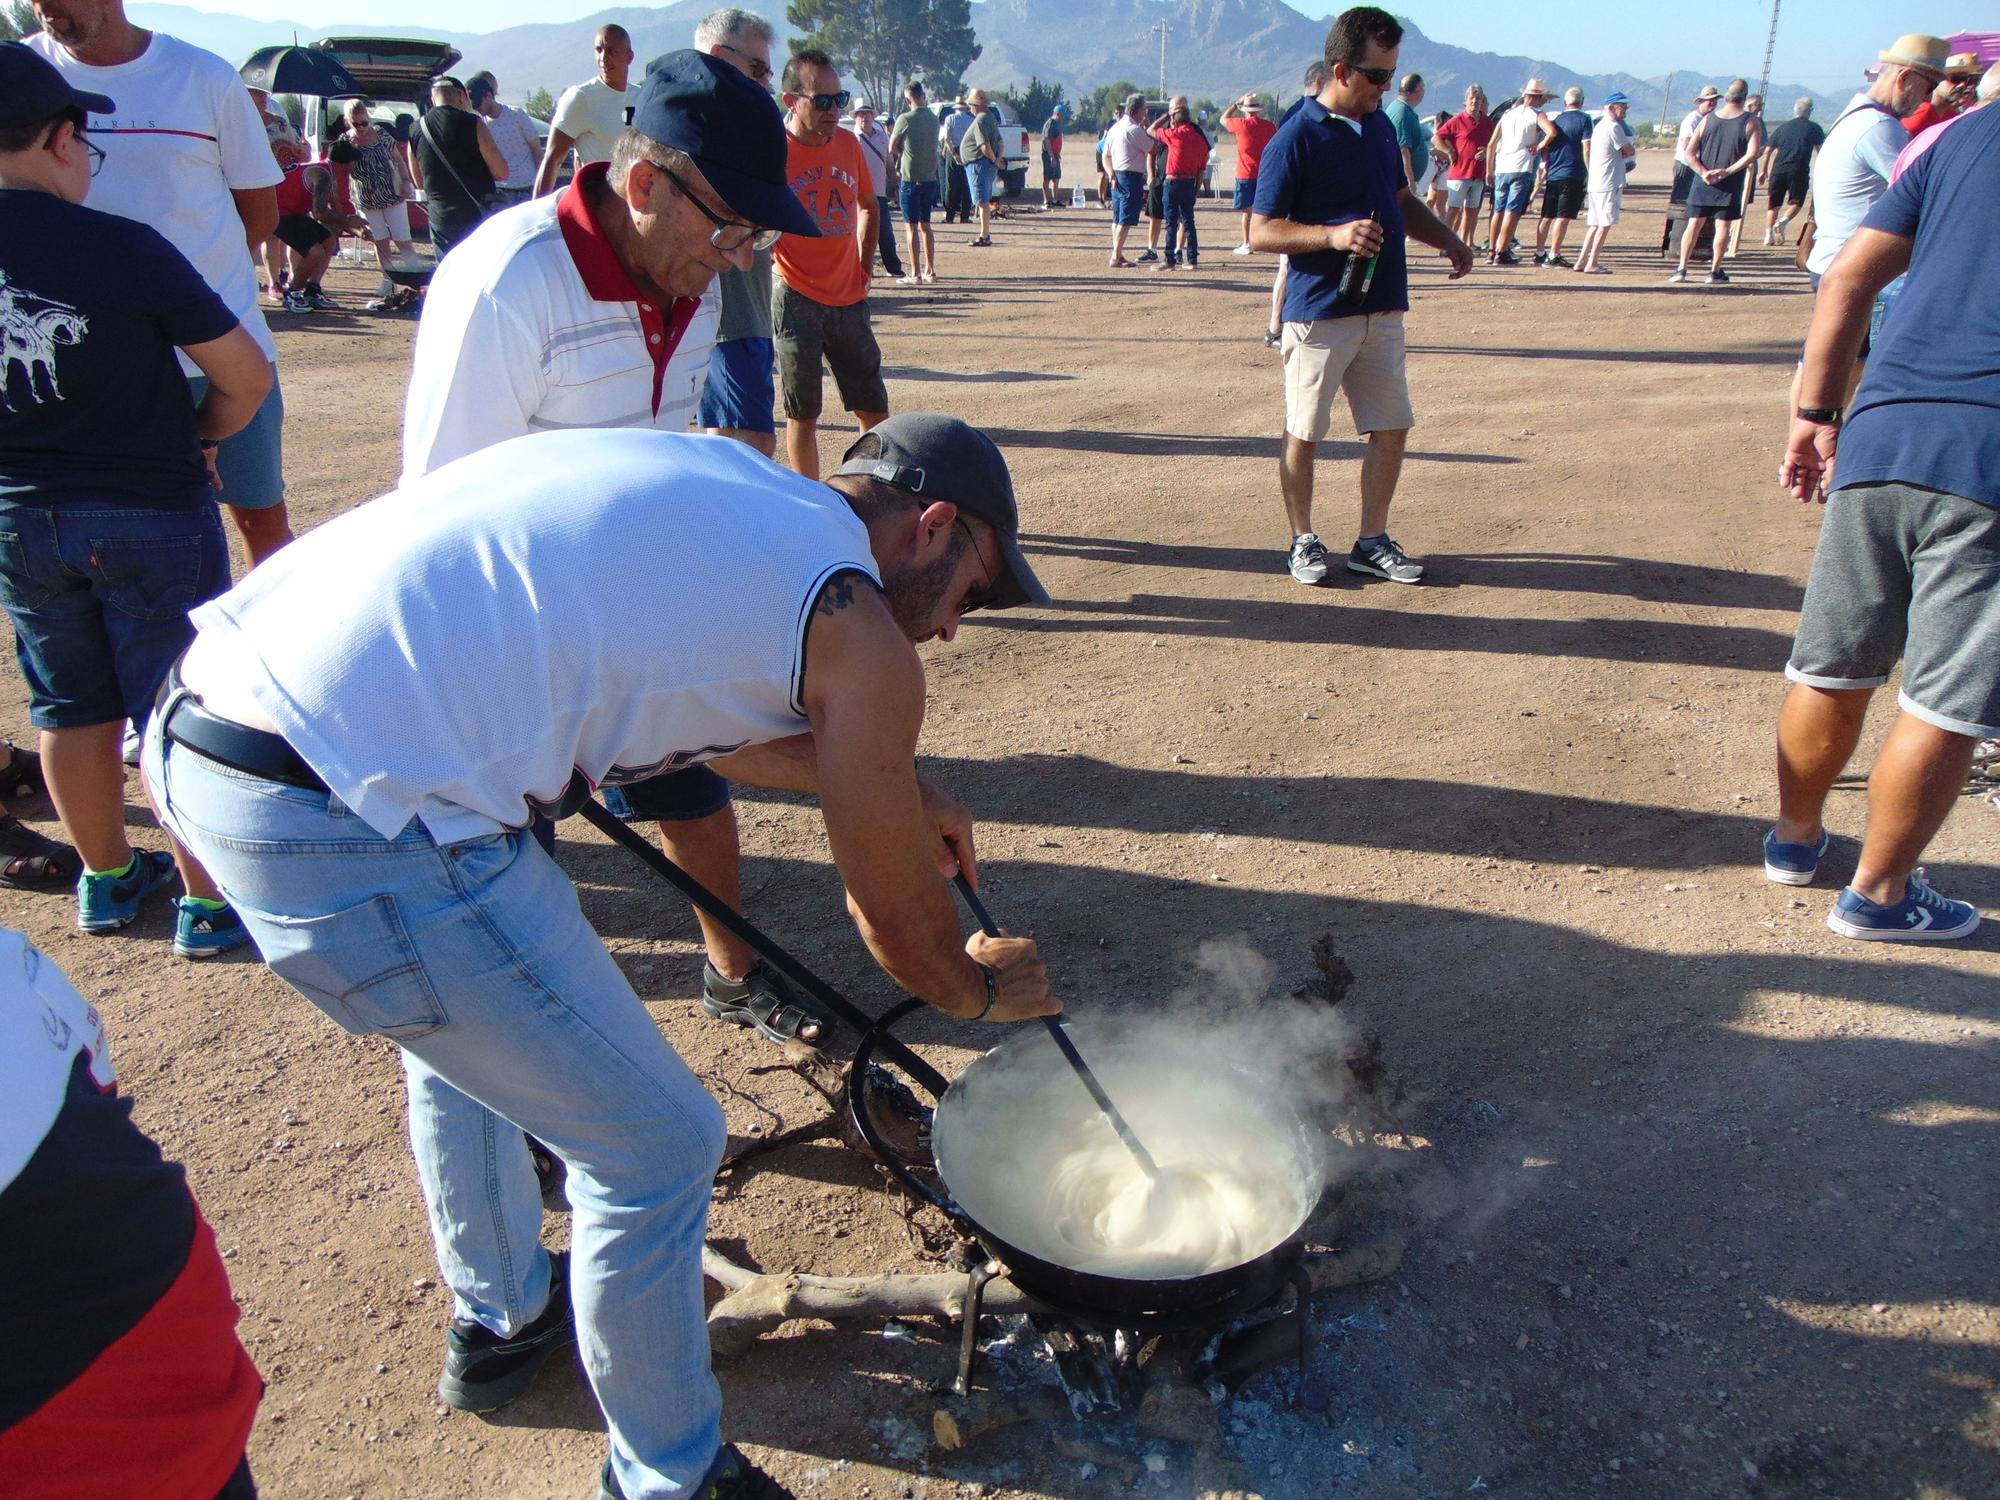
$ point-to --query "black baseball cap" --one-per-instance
(32, 91)
(941, 458)
(730, 128)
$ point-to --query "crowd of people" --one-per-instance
(360, 750)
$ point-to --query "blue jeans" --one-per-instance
(979, 177)
(99, 594)
(1128, 196)
(475, 959)
(1180, 217)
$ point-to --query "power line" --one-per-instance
(1165, 31)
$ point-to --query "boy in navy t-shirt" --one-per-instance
(104, 488)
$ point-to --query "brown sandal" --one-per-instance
(29, 862)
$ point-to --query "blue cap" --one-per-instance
(730, 128)
(32, 91)
(1616, 97)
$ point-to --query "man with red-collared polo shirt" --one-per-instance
(596, 307)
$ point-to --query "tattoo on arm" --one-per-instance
(837, 593)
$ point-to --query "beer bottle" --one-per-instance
(1358, 275)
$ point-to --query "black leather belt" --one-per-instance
(254, 752)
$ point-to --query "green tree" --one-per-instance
(1032, 104)
(879, 45)
(1093, 111)
(17, 20)
(541, 104)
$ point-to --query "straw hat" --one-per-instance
(1963, 65)
(1915, 50)
(1534, 89)
(1708, 91)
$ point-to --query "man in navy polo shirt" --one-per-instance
(1910, 550)
(1331, 186)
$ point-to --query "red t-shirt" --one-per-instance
(1253, 133)
(1927, 115)
(830, 181)
(1465, 138)
(1187, 150)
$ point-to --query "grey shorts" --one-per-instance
(1902, 571)
(806, 332)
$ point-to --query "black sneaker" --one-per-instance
(1555, 260)
(1382, 558)
(1507, 258)
(1146, 257)
(1718, 277)
(730, 1477)
(483, 1371)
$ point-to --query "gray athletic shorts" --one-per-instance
(1910, 572)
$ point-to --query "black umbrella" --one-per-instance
(296, 70)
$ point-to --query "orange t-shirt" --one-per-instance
(831, 181)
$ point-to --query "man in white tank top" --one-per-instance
(359, 735)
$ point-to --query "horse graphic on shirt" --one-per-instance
(29, 337)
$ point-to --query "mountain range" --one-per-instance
(1215, 48)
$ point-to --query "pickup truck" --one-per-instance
(1014, 150)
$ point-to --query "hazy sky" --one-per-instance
(1822, 43)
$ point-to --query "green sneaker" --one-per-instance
(105, 903)
(203, 932)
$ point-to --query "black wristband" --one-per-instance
(992, 990)
(1826, 416)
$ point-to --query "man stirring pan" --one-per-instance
(357, 739)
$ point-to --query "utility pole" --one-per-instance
(1770, 46)
(1667, 101)
(1164, 30)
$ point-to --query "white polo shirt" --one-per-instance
(593, 115)
(1126, 146)
(612, 603)
(531, 324)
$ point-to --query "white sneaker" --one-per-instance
(1681, 275)
(1241, 250)
(1307, 560)
(906, 281)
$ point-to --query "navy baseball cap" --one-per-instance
(730, 128)
(32, 91)
(941, 458)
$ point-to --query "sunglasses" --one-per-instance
(756, 67)
(825, 102)
(730, 234)
(982, 597)
(1380, 77)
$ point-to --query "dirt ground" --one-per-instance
(1703, 1213)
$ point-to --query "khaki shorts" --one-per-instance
(1362, 355)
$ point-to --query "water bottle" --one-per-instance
(1358, 276)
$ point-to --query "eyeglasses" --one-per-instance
(730, 234)
(95, 153)
(1378, 76)
(982, 597)
(755, 66)
(825, 102)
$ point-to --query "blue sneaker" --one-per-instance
(1922, 916)
(202, 932)
(1792, 864)
(105, 903)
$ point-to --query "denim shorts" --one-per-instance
(807, 332)
(1910, 573)
(740, 392)
(916, 200)
(252, 463)
(99, 597)
(1511, 190)
(675, 797)
(1244, 195)
(979, 176)
(1128, 193)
